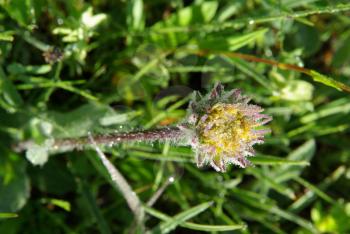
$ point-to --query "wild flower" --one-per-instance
(221, 127)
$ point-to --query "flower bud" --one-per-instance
(225, 128)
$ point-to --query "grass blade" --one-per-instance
(171, 223)
(261, 202)
(195, 226)
(8, 215)
(313, 188)
(304, 152)
(272, 160)
(318, 77)
(280, 188)
(310, 195)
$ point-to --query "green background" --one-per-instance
(131, 65)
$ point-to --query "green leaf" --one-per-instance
(304, 152)
(94, 209)
(198, 13)
(316, 190)
(318, 77)
(310, 195)
(191, 15)
(250, 70)
(294, 218)
(337, 107)
(9, 97)
(212, 228)
(80, 121)
(231, 43)
(272, 160)
(271, 183)
(8, 215)
(89, 201)
(53, 178)
(17, 68)
(135, 15)
(178, 219)
(6, 36)
(261, 202)
(333, 220)
(65, 205)
(14, 192)
(307, 38)
(195, 226)
(342, 54)
(20, 10)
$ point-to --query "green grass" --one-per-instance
(132, 65)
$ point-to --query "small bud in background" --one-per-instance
(53, 55)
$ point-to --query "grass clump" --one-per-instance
(77, 70)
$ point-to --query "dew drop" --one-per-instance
(171, 179)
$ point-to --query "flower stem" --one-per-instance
(118, 179)
(66, 144)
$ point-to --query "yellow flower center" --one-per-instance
(224, 129)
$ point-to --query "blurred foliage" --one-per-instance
(73, 67)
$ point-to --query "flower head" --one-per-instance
(224, 128)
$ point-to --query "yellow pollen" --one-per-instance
(225, 129)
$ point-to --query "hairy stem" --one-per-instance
(118, 179)
(66, 144)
